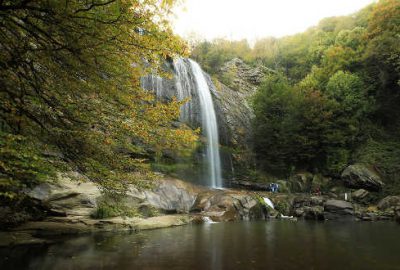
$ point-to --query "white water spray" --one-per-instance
(209, 124)
(269, 202)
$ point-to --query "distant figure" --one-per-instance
(274, 187)
(318, 191)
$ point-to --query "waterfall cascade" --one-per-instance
(191, 83)
(209, 124)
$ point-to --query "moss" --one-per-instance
(114, 208)
(383, 154)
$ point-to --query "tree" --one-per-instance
(70, 81)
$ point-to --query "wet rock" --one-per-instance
(21, 211)
(68, 196)
(250, 185)
(337, 209)
(170, 195)
(229, 206)
(359, 176)
(369, 216)
(389, 202)
(314, 213)
(359, 194)
(308, 207)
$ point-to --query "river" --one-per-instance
(239, 245)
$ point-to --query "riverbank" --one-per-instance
(70, 207)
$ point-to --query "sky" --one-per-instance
(253, 19)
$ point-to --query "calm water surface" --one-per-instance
(242, 245)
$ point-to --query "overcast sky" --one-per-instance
(252, 19)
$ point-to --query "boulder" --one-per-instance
(369, 216)
(359, 176)
(314, 213)
(389, 202)
(250, 185)
(360, 196)
(337, 209)
(228, 206)
(71, 197)
(170, 195)
(308, 207)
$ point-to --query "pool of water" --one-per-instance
(241, 245)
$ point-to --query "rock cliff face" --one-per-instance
(239, 83)
(231, 101)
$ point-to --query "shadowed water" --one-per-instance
(241, 245)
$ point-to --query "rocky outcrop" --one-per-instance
(169, 195)
(361, 196)
(309, 207)
(68, 197)
(389, 202)
(241, 77)
(249, 185)
(41, 232)
(229, 206)
(337, 209)
(69, 206)
(239, 83)
(359, 176)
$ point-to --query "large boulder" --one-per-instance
(337, 209)
(389, 202)
(228, 206)
(361, 196)
(308, 207)
(66, 196)
(360, 176)
(170, 195)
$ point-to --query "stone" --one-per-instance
(250, 185)
(162, 222)
(360, 176)
(308, 207)
(337, 209)
(170, 195)
(389, 202)
(229, 206)
(361, 196)
(369, 216)
(314, 213)
(65, 195)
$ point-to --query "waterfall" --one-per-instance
(191, 83)
(209, 124)
(269, 202)
(153, 82)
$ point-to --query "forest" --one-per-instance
(267, 153)
(333, 97)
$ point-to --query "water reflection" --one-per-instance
(242, 245)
